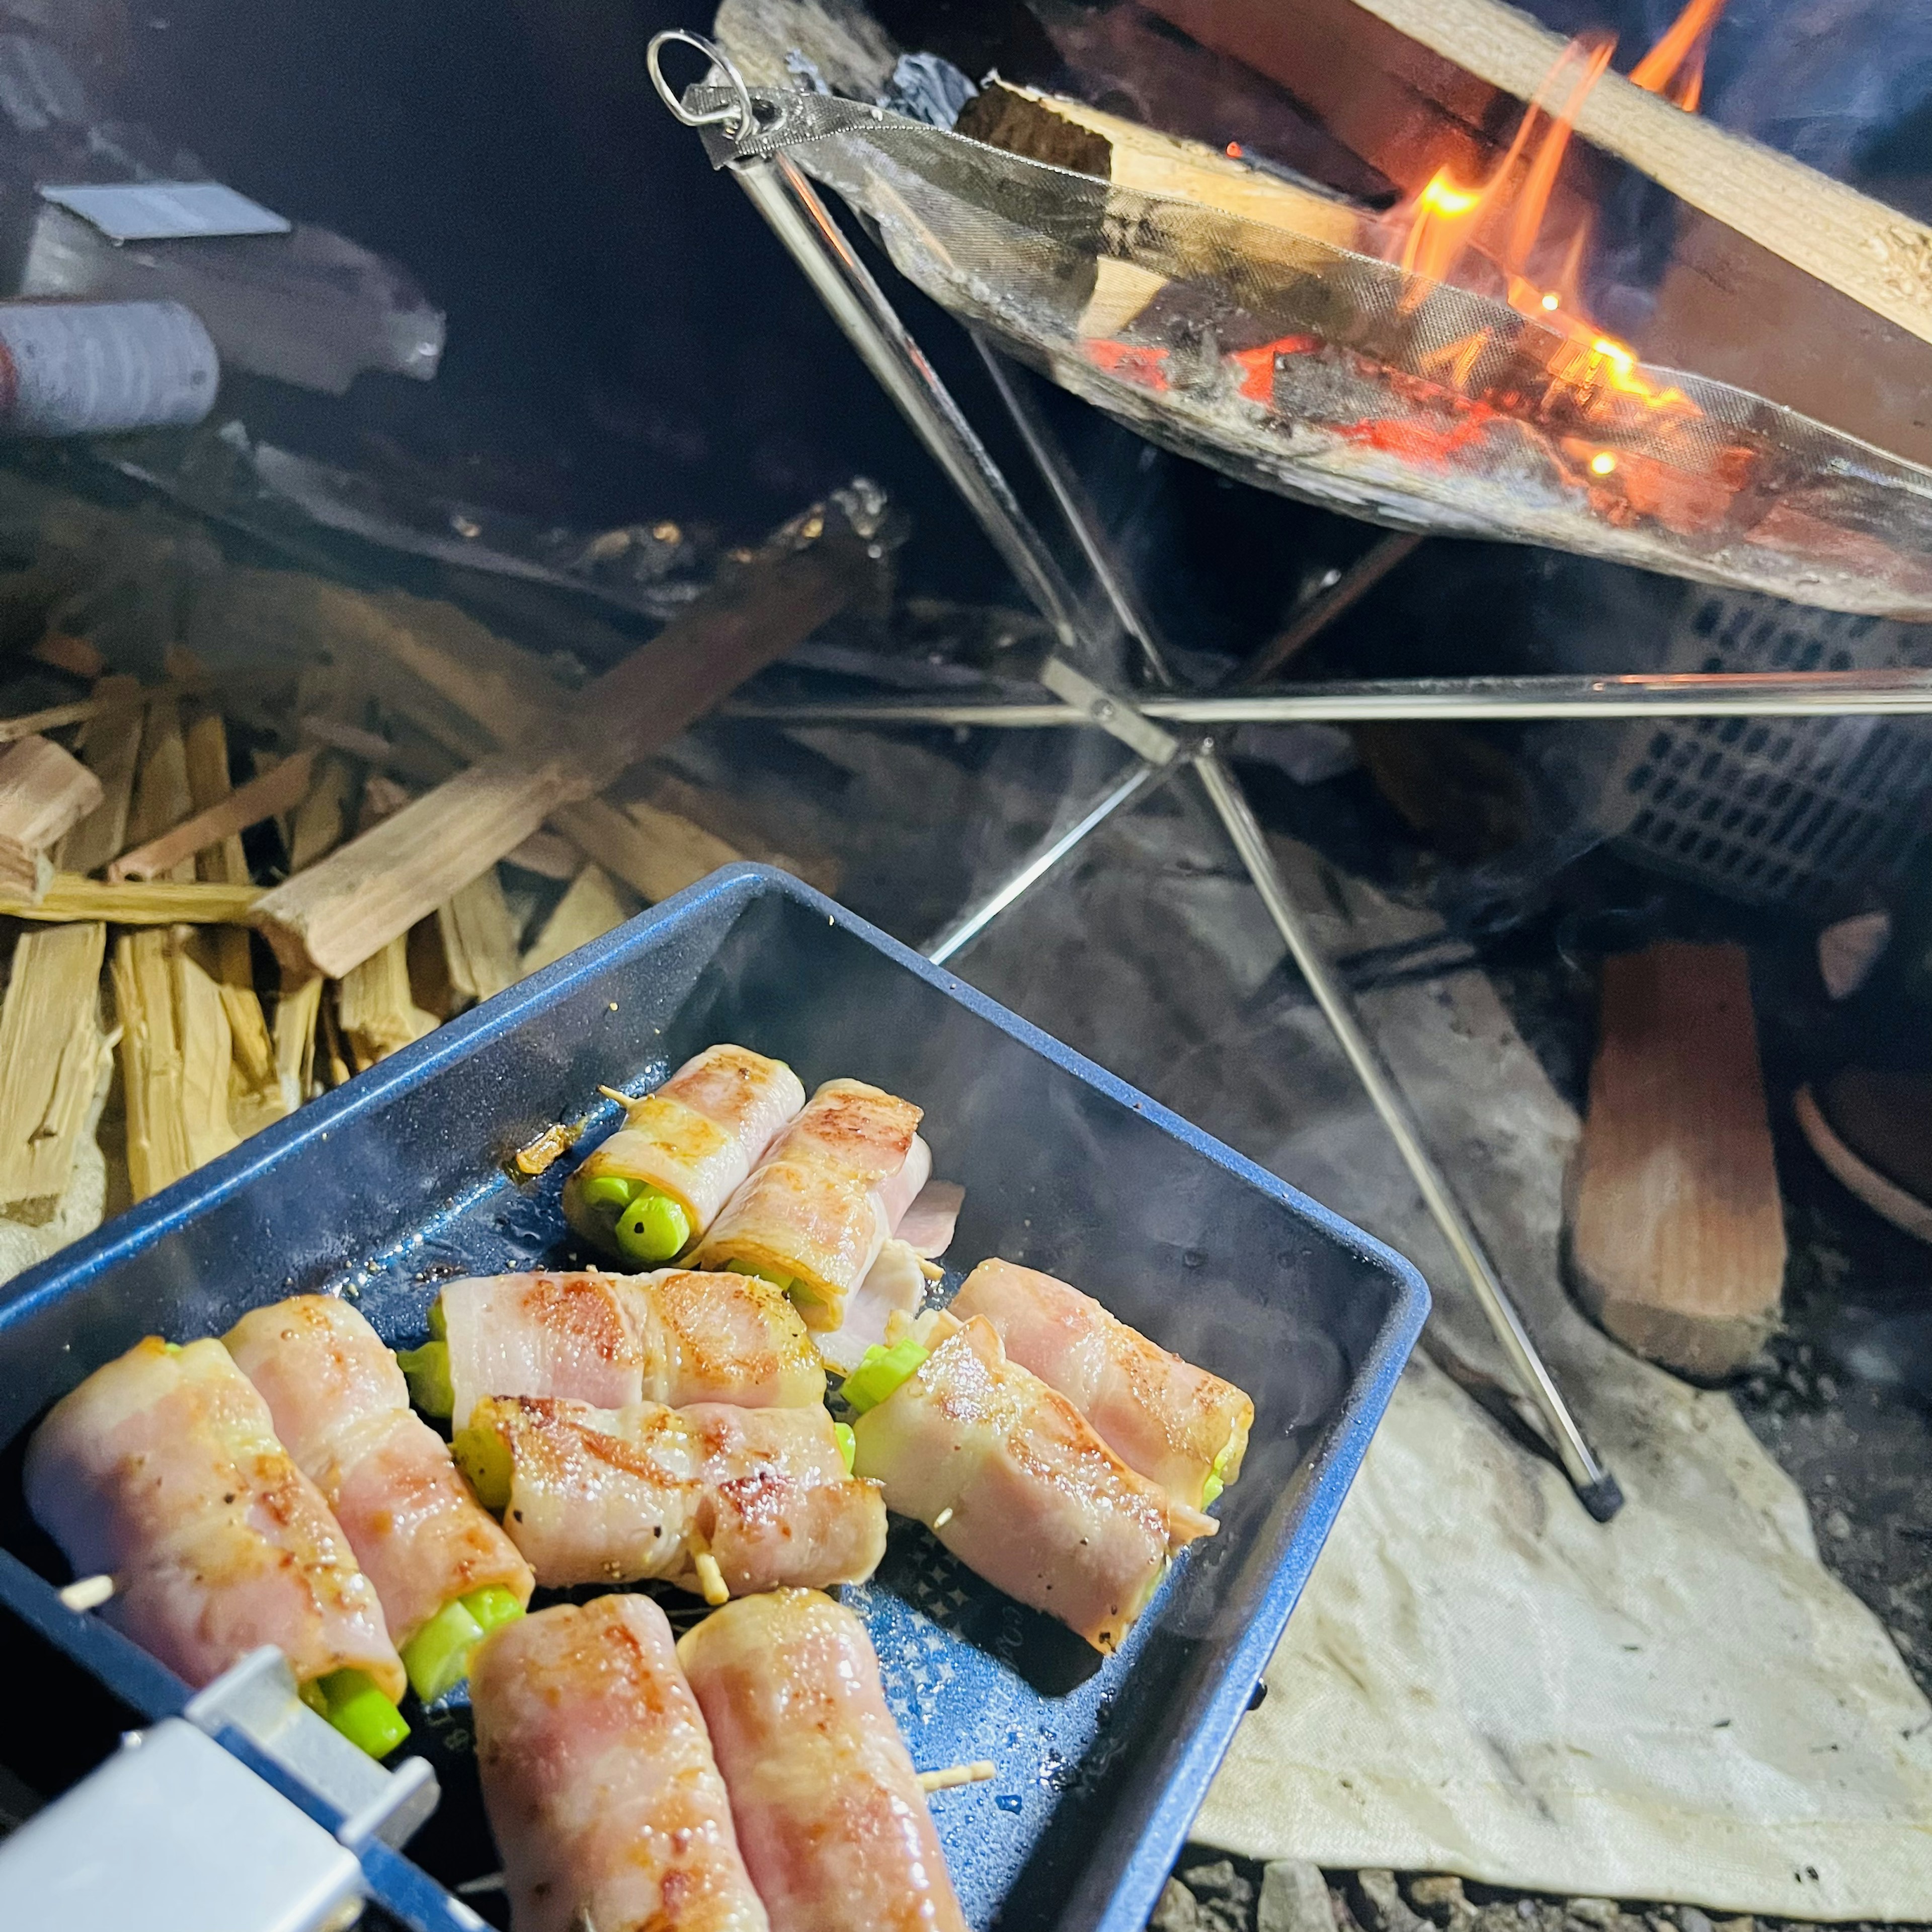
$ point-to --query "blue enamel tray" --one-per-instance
(398, 1182)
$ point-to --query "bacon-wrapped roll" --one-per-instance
(593, 1495)
(1179, 1425)
(163, 1469)
(831, 1820)
(819, 1208)
(444, 1570)
(1011, 1478)
(676, 1337)
(659, 1180)
(598, 1779)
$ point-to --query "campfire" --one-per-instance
(1435, 366)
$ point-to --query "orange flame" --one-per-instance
(1500, 221)
(1675, 67)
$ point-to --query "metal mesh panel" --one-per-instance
(1775, 812)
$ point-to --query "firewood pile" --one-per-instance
(279, 827)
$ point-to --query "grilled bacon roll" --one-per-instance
(676, 1337)
(831, 1820)
(341, 1406)
(688, 1145)
(163, 1469)
(817, 1211)
(1179, 1425)
(598, 1778)
(593, 1495)
(1010, 1477)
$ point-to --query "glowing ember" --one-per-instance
(1490, 238)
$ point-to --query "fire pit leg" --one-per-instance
(1596, 1488)
(1140, 778)
(802, 221)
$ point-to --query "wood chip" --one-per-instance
(162, 796)
(280, 789)
(478, 941)
(296, 1012)
(175, 1058)
(370, 893)
(135, 902)
(593, 907)
(74, 655)
(1676, 1228)
(654, 852)
(52, 1055)
(44, 793)
(110, 748)
(376, 1008)
(319, 821)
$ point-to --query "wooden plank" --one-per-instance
(593, 906)
(110, 748)
(281, 788)
(44, 793)
(174, 1058)
(334, 916)
(52, 1057)
(376, 1008)
(136, 902)
(1874, 253)
(1676, 1229)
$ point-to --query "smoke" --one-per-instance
(1827, 81)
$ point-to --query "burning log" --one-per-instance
(333, 916)
(1872, 252)
(376, 1005)
(44, 793)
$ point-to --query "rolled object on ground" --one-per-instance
(832, 1821)
(593, 1495)
(1179, 1425)
(597, 1777)
(658, 1182)
(818, 1209)
(341, 1407)
(163, 1470)
(1012, 1479)
(83, 368)
(676, 1337)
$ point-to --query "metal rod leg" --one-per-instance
(1140, 778)
(1596, 1487)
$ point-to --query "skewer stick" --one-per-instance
(710, 1578)
(88, 1593)
(977, 1772)
(1857, 246)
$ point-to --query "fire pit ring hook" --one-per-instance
(737, 118)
